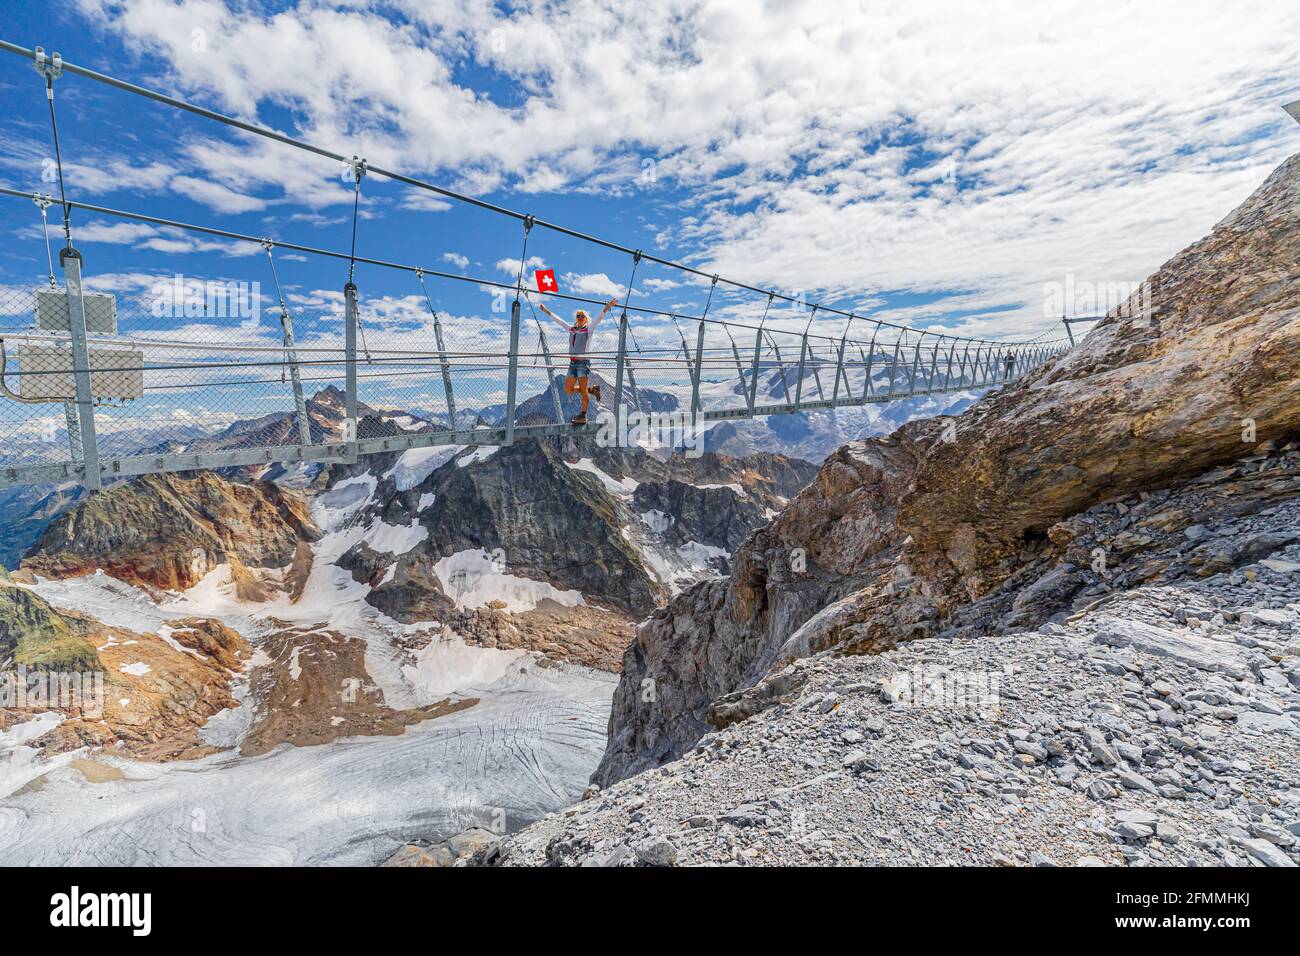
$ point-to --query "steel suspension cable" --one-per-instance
(49, 74)
(43, 204)
(262, 131)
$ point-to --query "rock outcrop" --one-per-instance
(552, 516)
(167, 531)
(33, 634)
(1157, 729)
(311, 686)
(898, 536)
(144, 695)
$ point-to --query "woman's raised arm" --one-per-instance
(558, 321)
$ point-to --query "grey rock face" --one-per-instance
(724, 635)
(714, 516)
(912, 536)
(827, 771)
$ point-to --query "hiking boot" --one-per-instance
(578, 420)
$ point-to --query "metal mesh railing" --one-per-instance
(221, 374)
(209, 375)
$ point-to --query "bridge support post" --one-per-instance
(550, 375)
(916, 362)
(798, 384)
(947, 372)
(295, 378)
(73, 423)
(618, 379)
(839, 370)
(446, 373)
(735, 351)
(867, 360)
(893, 366)
(512, 376)
(631, 384)
(350, 372)
(934, 365)
(753, 374)
(70, 260)
(695, 379)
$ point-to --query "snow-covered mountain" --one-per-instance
(364, 622)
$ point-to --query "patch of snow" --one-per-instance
(295, 668)
(481, 453)
(447, 664)
(658, 564)
(417, 464)
(334, 508)
(426, 499)
(530, 744)
(471, 579)
(700, 556)
(733, 486)
(618, 486)
(405, 422)
(165, 632)
(212, 594)
(395, 539)
(135, 669)
(123, 605)
(657, 521)
(20, 763)
(365, 480)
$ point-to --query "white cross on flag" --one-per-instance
(546, 281)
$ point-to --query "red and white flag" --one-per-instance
(546, 281)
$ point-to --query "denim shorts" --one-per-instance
(579, 368)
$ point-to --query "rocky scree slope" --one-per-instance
(912, 536)
(1159, 727)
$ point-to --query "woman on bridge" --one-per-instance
(579, 364)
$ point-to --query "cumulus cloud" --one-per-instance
(511, 266)
(597, 284)
(972, 153)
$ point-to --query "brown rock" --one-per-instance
(168, 531)
(904, 536)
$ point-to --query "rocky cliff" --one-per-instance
(940, 530)
(168, 531)
(603, 525)
(142, 695)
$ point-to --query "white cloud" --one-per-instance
(97, 230)
(511, 266)
(219, 197)
(597, 284)
(424, 201)
(974, 150)
(459, 261)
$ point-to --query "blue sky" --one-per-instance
(934, 167)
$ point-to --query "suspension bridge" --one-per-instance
(96, 386)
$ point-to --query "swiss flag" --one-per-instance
(546, 281)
